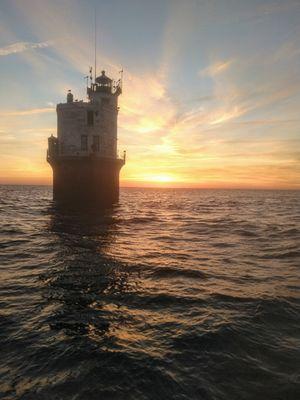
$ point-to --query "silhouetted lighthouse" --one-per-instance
(84, 156)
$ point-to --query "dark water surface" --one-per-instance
(173, 294)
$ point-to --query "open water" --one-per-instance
(172, 294)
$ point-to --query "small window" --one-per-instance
(96, 143)
(84, 142)
(90, 118)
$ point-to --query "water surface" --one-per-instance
(172, 294)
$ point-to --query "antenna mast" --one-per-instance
(121, 80)
(95, 39)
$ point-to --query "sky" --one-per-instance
(211, 93)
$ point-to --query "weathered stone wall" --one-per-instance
(72, 123)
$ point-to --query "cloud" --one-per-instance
(145, 105)
(216, 68)
(31, 111)
(20, 47)
(62, 21)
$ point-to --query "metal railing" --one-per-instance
(56, 150)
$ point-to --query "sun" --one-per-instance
(161, 178)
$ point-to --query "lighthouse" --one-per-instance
(84, 156)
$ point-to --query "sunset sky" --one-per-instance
(211, 88)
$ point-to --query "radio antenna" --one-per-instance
(95, 40)
(121, 78)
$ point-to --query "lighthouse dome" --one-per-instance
(103, 79)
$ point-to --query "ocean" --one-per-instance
(171, 294)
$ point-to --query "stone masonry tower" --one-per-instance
(84, 155)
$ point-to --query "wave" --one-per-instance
(173, 272)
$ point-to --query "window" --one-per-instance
(90, 118)
(95, 143)
(84, 142)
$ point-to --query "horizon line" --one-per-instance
(169, 187)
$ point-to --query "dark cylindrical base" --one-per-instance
(84, 181)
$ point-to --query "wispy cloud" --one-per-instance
(19, 47)
(216, 68)
(31, 111)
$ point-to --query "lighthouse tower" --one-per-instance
(84, 155)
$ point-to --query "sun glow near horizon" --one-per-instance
(158, 178)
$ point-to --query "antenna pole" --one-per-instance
(95, 69)
(122, 77)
